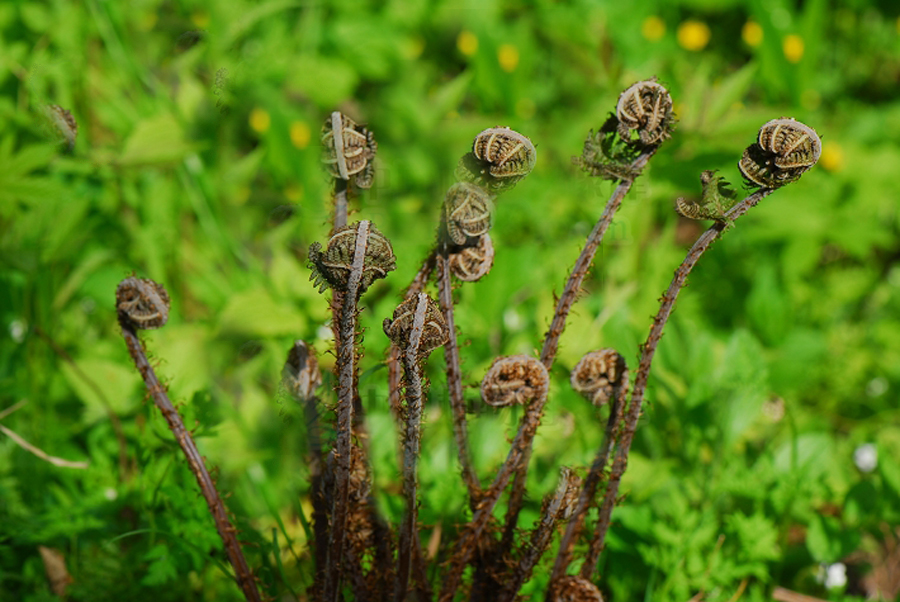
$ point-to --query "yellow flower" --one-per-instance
(294, 193)
(300, 134)
(508, 56)
(832, 158)
(653, 28)
(693, 35)
(793, 48)
(752, 33)
(260, 120)
(200, 19)
(467, 43)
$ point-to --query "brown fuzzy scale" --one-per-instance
(332, 266)
(471, 264)
(434, 328)
(574, 589)
(597, 374)
(509, 153)
(754, 166)
(361, 538)
(784, 151)
(794, 144)
(646, 107)
(760, 169)
(143, 303)
(798, 161)
(349, 153)
(467, 212)
(516, 379)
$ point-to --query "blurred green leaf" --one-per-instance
(808, 455)
(730, 91)
(326, 81)
(822, 539)
(117, 383)
(256, 313)
(162, 569)
(158, 139)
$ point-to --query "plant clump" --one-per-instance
(356, 550)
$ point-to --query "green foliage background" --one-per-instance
(197, 165)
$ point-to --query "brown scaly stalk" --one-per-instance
(500, 158)
(468, 539)
(349, 153)
(648, 350)
(395, 371)
(531, 420)
(355, 257)
(420, 572)
(144, 304)
(418, 328)
(586, 258)
(438, 259)
(644, 110)
(340, 203)
(384, 554)
(301, 377)
(558, 508)
(412, 444)
(411, 449)
(339, 221)
(594, 478)
(454, 384)
(346, 361)
(451, 356)
(423, 275)
(395, 383)
(514, 379)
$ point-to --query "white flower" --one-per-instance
(835, 575)
(877, 386)
(512, 320)
(17, 330)
(866, 457)
(324, 332)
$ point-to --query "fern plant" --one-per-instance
(356, 551)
